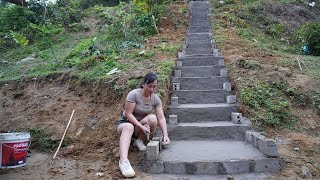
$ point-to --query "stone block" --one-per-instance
(176, 86)
(152, 150)
(227, 86)
(249, 137)
(231, 99)
(266, 165)
(256, 137)
(236, 166)
(174, 101)
(221, 62)
(155, 167)
(180, 54)
(208, 168)
(173, 119)
(224, 72)
(160, 139)
(179, 64)
(177, 73)
(175, 168)
(236, 117)
(268, 147)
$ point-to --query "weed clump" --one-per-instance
(41, 140)
(268, 105)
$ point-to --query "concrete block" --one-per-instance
(236, 117)
(179, 64)
(173, 119)
(249, 137)
(152, 150)
(231, 99)
(174, 101)
(267, 165)
(246, 121)
(236, 166)
(268, 147)
(177, 73)
(155, 167)
(208, 168)
(160, 139)
(175, 168)
(224, 72)
(221, 62)
(227, 86)
(256, 137)
(216, 52)
(176, 86)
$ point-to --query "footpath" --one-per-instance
(209, 139)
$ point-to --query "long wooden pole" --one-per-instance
(64, 134)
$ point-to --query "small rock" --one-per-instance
(100, 174)
(305, 172)
(296, 149)
(230, 177)
(141, 53)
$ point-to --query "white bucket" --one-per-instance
(14, 149)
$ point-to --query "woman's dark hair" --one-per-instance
(149, 78)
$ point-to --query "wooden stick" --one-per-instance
(65, 131)
(299, 64)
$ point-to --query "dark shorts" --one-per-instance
(122, 120)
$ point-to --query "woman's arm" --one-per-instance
(128, 109)
(163, 124)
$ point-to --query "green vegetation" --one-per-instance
(43, 39)
(267, 105)
(41, 140)
(285, 28)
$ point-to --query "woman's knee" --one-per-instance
(127, 128)
(152, 120)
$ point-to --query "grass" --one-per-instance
(268, 104)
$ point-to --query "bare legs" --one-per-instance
(126, 130)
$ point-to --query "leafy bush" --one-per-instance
(15, 18)
(309, 35)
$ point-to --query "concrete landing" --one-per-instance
(252, 176)
(220, 151)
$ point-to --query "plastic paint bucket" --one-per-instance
(14, 149)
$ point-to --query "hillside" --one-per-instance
(89, 61)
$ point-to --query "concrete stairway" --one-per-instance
(208, 136)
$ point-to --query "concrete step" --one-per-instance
(204, 112)
(199, 51)
(200, 71)
(198, 37)
(201, 61)
(246, 176)
(199, 44)
(200, 29)
(212, 158)
(201, 83)
(200, 23)
(202, 97)
(217, 130)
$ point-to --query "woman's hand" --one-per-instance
(145, 128)
(166, 140)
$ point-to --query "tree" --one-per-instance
(17, 2)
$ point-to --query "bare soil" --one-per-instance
(47, 103)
